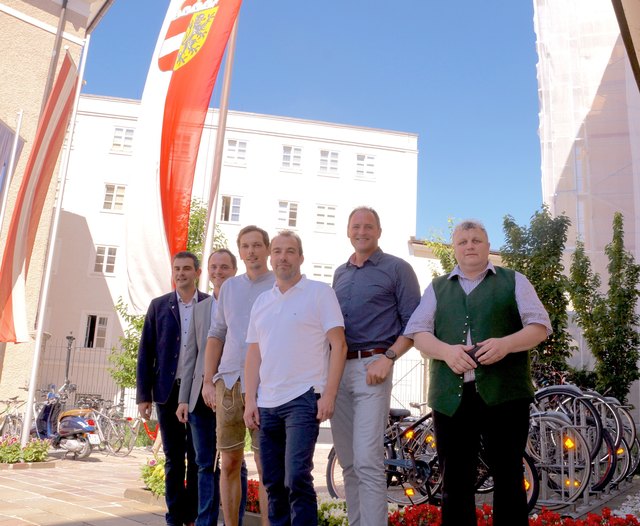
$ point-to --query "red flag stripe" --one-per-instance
(30, 201)
(184, 113)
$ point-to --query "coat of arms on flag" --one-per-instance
(186, 33)
(195, 36)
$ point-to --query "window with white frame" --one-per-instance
(287, 214)
(113, 197)
(291, 158)
(122, 140)
(365, 167)
(322, 272)
(230, 209)
(96, 331)
(105, 259)
(326, 218)
(328, 162)
(236, 152)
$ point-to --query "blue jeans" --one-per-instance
(182, 502)
(288, 435)
(202, 421)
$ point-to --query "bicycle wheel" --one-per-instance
(609, 415)
(570, 401)
(628, 425)
(623, 463)
(604, 465)
(335, 482)
(118, 436)
(130, 435)
(561, 457)
(12, 426)
(484, 481)
(531, 481)
(634, 453)
(407, 477)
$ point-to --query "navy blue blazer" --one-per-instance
(159, 349)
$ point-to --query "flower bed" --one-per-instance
(427, 515)
(333, 512)
(11, 452)
(153, 476)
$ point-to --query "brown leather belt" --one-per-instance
(351, 355)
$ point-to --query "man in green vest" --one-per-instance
(477, 324)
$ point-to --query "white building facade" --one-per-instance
(589, 130)
(589, 122)
(278, 173)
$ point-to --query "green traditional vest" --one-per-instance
(490, 311)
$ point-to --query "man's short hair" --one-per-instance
(253, 228)
(365, 209)
(234, 261)
(469, 224)
(186, 254)
(291, 234)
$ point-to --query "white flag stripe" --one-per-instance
(145, 233)
(29, 204)
(171, 45)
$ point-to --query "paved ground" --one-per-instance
(91, 492)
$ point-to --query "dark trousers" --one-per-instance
(181, 500)
(202, 421)
(288, 435)
(503, 429)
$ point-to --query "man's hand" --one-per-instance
(251, 415)
(378, 370)
(459, 360)
(183, 412)
(144, 408)
(326, 406)
(492, 350)
(209, 394)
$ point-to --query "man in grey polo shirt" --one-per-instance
(378, 293)
(223, 385)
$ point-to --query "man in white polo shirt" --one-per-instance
(296, 356)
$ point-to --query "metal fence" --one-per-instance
(88, 369)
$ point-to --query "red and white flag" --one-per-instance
(173, 109)
(30, 201)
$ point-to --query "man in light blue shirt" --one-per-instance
(223, 384)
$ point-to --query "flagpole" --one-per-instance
(44, 294)
(4, 191)
(217, 159)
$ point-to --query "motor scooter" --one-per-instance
(67, 430)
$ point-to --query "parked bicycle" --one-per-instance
(11, 417)
(411, 464)
(113, 433)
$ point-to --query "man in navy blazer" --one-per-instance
(159, 373)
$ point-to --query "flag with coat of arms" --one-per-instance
(174, 105)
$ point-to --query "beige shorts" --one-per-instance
(230, 428)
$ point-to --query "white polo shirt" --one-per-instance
(291, 330)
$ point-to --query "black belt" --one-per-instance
(352, 355)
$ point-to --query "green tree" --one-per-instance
(443, 249)
(197, 230)
(536, 251)
(609, 321)
(123, 359)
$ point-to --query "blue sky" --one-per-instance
(459, 74)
